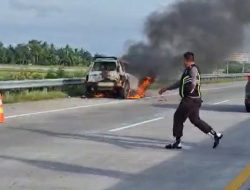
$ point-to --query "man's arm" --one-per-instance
(194, 73)
(171, 87)
(174, 86)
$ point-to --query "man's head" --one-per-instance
(188, 59)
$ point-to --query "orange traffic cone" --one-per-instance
(1, 110)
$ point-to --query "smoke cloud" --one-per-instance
(212, 29)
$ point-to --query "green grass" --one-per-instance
(30, 72)
(23, 74)
(74, 90)
(20, 75)
(14, 97)
(41, 67)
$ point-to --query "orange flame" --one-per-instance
(99, 95)
(142, 88)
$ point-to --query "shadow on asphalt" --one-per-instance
(69, 168)
(206, 107)
(127, 142)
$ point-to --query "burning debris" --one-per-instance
(100, 95)
(143, 86)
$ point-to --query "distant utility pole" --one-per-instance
(227, 67)
(243, 67)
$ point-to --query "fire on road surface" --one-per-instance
(143, 86)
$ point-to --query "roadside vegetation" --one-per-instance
(236, 67)
(41, 53)
(29, 74)
(43, 93)
(14, 97)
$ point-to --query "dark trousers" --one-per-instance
(189, 108)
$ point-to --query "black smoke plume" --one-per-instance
(212, 29)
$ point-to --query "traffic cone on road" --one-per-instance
(1, 110)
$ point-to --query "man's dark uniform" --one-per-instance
(189, 89)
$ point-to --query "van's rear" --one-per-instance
(107, 75)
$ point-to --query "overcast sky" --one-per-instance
(102, 26)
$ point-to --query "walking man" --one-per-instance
(189, 89)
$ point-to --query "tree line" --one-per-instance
(41, 53)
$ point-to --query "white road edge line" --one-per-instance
(222, 102)
(136, 124)
(61, 110)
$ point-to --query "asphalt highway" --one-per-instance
(108, 144)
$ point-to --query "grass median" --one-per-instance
(7, 74)
(14, 97)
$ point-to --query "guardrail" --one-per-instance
(29, 84)
(225, 75)
(214, 77)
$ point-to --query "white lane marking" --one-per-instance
(63, 109)
(136, 124)
(222, 102)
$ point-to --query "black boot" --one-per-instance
(175, 145)
(217, 138)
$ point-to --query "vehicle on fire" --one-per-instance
(107, 75)
(247, 97)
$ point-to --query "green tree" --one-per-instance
(41, 53)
